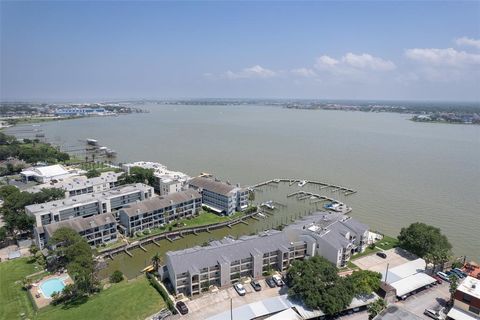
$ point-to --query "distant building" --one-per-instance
(47, 173)
(80, 111)
(466, 303)
(157, 211)
(220, 197)
(97, 230)
(78, 185)
(88, 204)
(330, 235)
(166, 181)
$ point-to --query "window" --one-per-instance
(466, 298)
(474, 310)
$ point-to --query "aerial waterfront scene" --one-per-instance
(257, 160)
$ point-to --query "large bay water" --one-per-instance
(403, 171)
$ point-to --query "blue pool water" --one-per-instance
(50, 286)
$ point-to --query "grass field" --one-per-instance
(14, 301)
(135, 299)
(387, 243)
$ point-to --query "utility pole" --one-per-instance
(386, 273)
(231, 309)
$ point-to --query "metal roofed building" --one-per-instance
(79, 185)
(155, 212)
(223, 262)
(96, 229)
(408, 277)
(88, 204)
(46, 173)
(220, 197)
(466, 303)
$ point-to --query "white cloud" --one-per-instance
(367, 61)
(443, 57)
(303, 72)
(351, 63)
(256, 71)
(325, 62)
(465, 41)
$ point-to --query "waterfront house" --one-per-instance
(220, 197)
(331, 235)
(157, 211)
(165, 181)
(78, 185)
(87, 205)
(97, 230)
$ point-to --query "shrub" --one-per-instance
(162, 291)
(116, 276)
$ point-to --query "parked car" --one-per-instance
(382, 255)
(439, 280)
(451, 273)
(459, 272)
(182, 307)
(438, 315)
(256, 285)
(240, 289)
(270, 282)
(278, 280)
(443, 275)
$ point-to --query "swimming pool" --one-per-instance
(52, 285)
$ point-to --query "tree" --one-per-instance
(426, 242)
(375, 308)
(316, 282)
(116, 276)
(365, 282)
(140, 175)
(453, 286)
(3, 233)
(93, 173)
(76, 255)
(156, 261)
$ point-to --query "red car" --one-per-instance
(439, 280)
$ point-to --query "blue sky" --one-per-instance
(69, 50)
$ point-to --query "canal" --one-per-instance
(286, 210)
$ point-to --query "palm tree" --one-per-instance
(376, 307)
(156, 261)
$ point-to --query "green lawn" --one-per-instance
(13, 299)
(135, 299)
(387, 243)
(203, 219)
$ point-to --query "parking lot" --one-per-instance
(431, 298)
(212, 303)
(395, 257)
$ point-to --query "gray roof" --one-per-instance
(81, 224)
(226, 250)
(212, 185)
(156, 203)
(394, 312)
(86, 198)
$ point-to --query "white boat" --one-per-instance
(261, 215)
(338, 207)
(302, 183)
(92, 142)
(268, 204)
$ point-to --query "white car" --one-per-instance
(240, 289)
(438, 315)
(278, 280)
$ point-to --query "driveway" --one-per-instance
(212, 303)
(432, 298)
(395, 257)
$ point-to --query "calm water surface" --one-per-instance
(403, 171)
